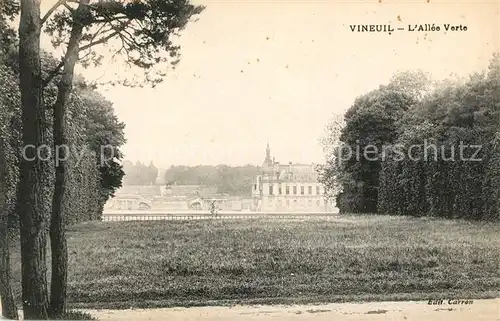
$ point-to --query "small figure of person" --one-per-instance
(213, 208)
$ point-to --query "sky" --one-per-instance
(253, 72)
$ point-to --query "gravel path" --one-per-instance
(479, 310)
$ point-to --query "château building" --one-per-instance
(288, 188)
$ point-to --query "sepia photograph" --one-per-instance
(250, 160)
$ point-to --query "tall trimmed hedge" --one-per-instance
(465, 114)
(9, 129)
(83, 200)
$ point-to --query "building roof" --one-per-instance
(287, 172)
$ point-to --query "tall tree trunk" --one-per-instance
(58, 242)
(31, 200)
(9, 309)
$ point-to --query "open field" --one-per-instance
(351, 258)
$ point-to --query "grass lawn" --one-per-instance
(162, 263)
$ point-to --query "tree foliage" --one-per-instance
(442, 150)
(104, 134)
(370, 124)
(139, 173)
(142, 32)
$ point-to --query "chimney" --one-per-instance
(290, 167)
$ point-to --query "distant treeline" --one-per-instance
(416, 119)
(229, 180)
(139, 174)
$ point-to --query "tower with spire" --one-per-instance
(268, 162)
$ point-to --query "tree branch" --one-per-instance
(118, 30)
(85, 56)
(111, 19)
(53, 73)
(99, 32)
(124, 39)
(102, 40)
(68, 7)
(54, 8)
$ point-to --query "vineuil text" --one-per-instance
(426, 27)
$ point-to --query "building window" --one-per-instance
(317, 190)
(255, 187)
(302, 190)
(309, 203)
(280, 190)
(287, 190)
(295, 190)
(270, 189)
(317, 203)
(309, 190)
(288, 203)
